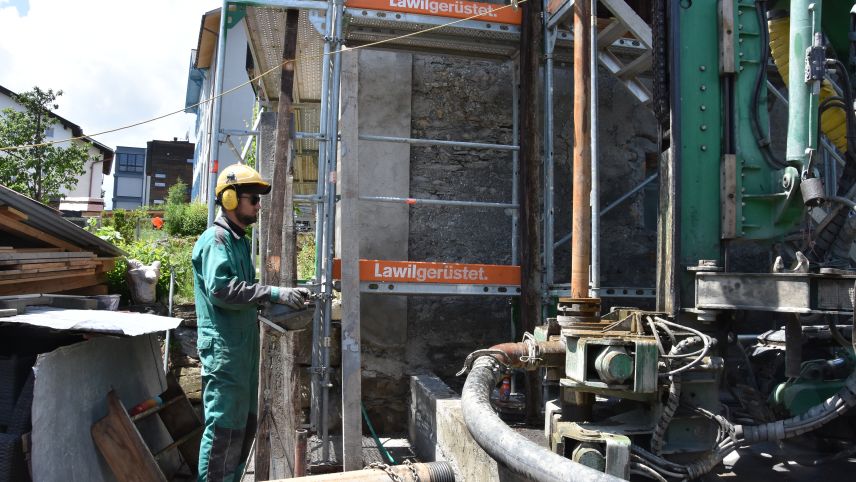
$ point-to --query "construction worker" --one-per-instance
(227, 298)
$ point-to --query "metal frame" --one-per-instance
(493, 41)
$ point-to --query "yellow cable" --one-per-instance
(832, 121)
(272, 69)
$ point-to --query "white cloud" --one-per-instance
(117, 62)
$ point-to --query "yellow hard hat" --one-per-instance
(240, 174)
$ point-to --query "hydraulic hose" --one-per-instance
(505, 445)
(832, 122)
(814, 418)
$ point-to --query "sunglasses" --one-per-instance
(254, 198)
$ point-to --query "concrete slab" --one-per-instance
(437, 419)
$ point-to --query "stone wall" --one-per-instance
(463, 100)
(470, 100)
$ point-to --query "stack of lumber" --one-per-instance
(34, 260)
(46, 270)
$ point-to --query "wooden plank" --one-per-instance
(16, 227)
(63, 284)
(727, 61)
(281, 243)
(182, 423)
(10, 278)
(13, 213)
(122, 446)
(39, 257)
(531, 185)
(34, 266)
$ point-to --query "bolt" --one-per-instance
(703, 127)
(703, 148)
(702, 68)
(702, 107)
(702, 88)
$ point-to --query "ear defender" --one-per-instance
(229, 199)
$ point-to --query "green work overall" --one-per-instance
(227, 297)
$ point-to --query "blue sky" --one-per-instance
(117, 62)
(23, 6)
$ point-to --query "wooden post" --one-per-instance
(280, 265)
(581, 221)
(531, 187)
(352, 425)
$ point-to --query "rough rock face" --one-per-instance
(464, 100)
(470, 100)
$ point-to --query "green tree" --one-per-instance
(41, 171)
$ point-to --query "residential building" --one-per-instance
(166, 163)
(237, 106)
(86, 197)
(129, 179)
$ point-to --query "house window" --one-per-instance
(158, 201)
(160, 184)
(130, 162)
(159, 175)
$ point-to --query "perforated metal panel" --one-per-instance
(266, 27)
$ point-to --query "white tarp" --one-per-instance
(101, 321)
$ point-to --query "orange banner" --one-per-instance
(443, 8)
(383, 271)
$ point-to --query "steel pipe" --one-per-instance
(214, 155)
(300, 436)
(550, 353)
(508, 447)
(581, 220)
(329, 229)
(594, 280)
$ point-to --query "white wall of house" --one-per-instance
(237, 110)
(86, 195)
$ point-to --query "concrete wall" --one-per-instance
(385, 109)
(437, 431)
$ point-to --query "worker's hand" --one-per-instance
(295, 298)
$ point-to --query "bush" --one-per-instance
(181, 218)
(194, 220)
(305, 256)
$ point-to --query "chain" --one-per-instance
(392, 475)
(659, 29)
(386, 468)
(412, 468)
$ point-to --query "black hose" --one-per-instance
(508, 447)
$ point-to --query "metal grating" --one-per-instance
(310, 49)
(266, 28)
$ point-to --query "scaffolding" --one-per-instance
(326, 29)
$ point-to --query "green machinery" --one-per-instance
(733, 354)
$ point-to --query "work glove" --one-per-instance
(294, 298)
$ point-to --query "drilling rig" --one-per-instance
(751, 340)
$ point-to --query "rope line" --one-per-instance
(343, 49)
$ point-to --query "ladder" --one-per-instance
(128, 455)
